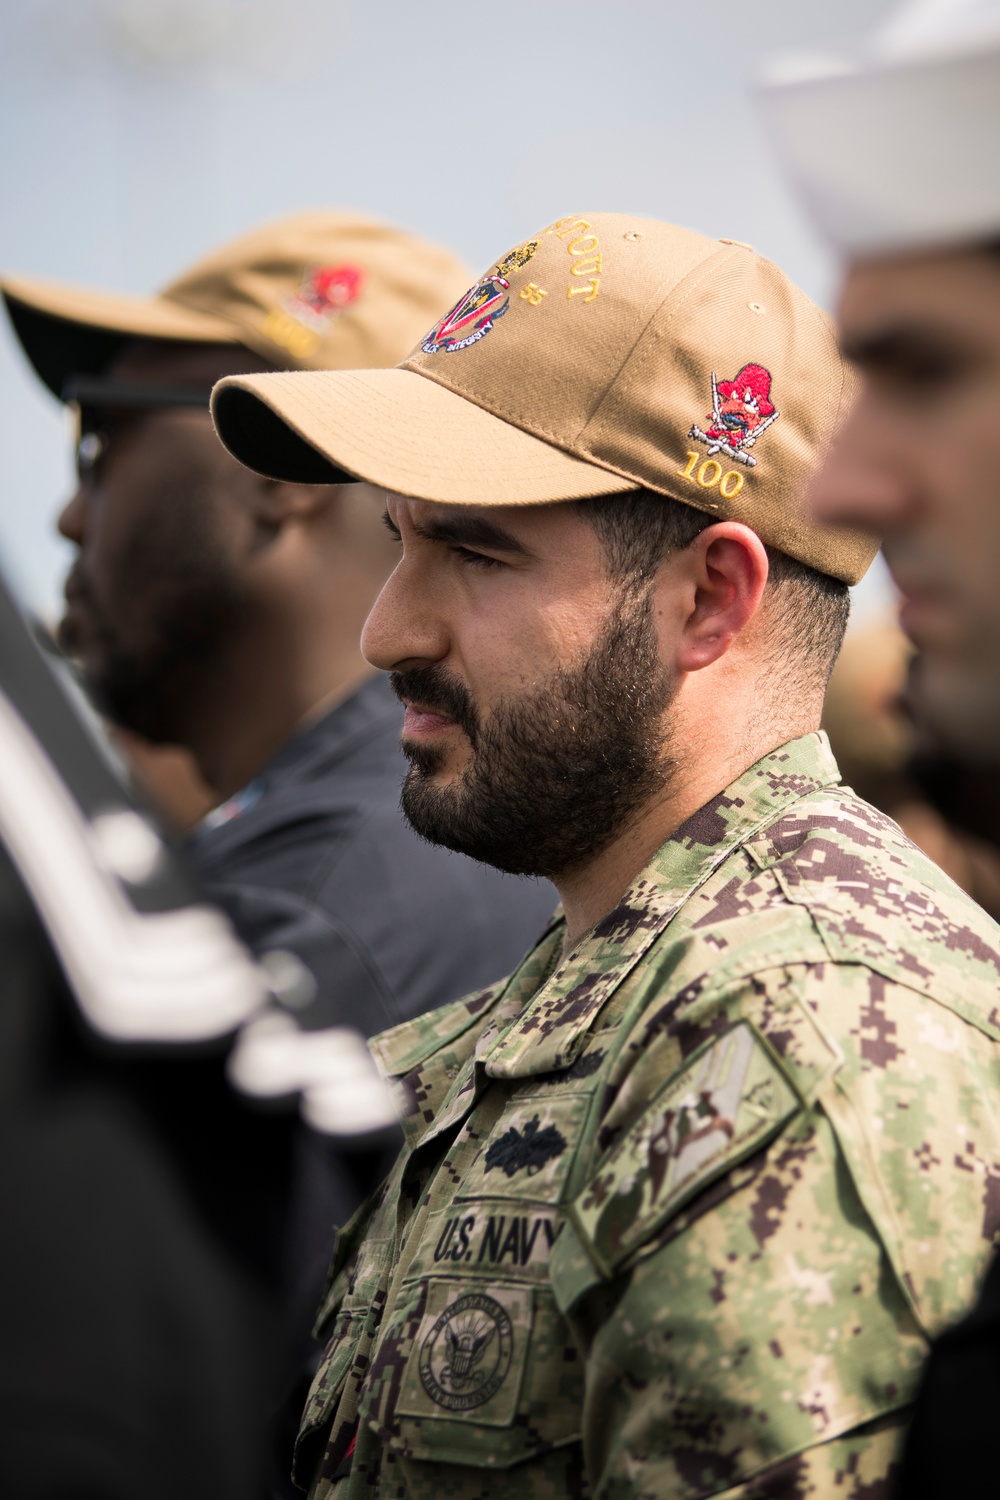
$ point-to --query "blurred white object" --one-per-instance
(177, 975)
(341, 1090)
(932, 28)
(898, 151)
(173, 31)
(128, 844)
(156, 976)
(208, 43)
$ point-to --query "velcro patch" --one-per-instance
(730, 1098)
(469, 1353)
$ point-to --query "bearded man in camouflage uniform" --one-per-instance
(683, 1200)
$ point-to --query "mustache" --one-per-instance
(434, 688)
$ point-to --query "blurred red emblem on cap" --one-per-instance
(742, 410)
(324, 292)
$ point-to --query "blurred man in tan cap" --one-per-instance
(896, 158)
(215, 610)
(662, 1226)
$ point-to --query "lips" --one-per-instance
(434, 702)
(419, 722)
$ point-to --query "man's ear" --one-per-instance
(721, 577)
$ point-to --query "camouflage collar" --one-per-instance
(548, 1033)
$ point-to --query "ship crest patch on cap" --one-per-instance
(301, 321)
(474, 315)
(742, 410)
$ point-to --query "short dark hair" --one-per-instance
(639, 528)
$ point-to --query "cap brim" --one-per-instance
(399, 431)
(68, 330)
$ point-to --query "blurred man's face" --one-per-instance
(532, 682)
(155, 595)
(919, 461)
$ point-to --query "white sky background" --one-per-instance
(137, 134)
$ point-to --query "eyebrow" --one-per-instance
(461, 530)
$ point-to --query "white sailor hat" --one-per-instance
(898, 151)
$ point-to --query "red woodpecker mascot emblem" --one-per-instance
(742, 410)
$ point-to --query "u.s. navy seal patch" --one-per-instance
(466, 1354)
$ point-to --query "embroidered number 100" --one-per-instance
(710, 474)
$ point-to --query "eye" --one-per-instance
(929, 372)
(478, 560)
(918, 366)
(921, 379)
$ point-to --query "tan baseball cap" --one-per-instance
(321, 290)
(603, 354)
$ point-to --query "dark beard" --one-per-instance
(557, 774)
(156, 680)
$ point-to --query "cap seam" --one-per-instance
(659, 297)
(686, 290)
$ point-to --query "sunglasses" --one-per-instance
(96, 399)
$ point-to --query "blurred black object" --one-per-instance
(951, 1444)
(145, 1197)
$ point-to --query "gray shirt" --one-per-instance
(316, 857)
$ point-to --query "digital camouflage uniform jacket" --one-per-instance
(679, 1212)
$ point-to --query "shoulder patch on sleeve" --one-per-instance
(727, 1101)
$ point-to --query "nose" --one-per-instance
(860, 484)
(72, 517)
(405, 627)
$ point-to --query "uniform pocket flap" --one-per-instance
(729, 1099)
(353, 1272)
(492, 1376)
(326, 1387)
